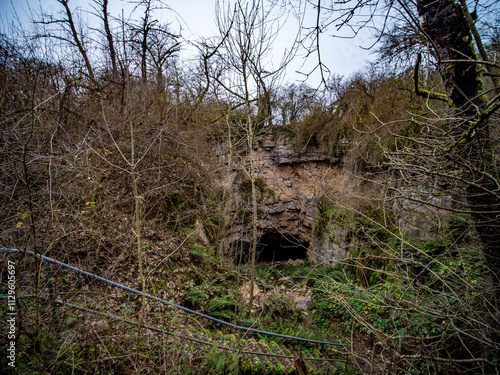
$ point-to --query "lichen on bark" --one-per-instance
(446, 26)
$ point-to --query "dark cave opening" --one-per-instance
(271, 247)
(277, 247)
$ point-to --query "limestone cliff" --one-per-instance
(288, 183)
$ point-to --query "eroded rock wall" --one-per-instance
(288, 185)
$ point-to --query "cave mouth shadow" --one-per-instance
(279, 247)
(271, 247)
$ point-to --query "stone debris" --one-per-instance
(302, 303)
(257, 294)
(200, 233)
(99, 326)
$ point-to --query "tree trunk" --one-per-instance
(109, 37)
(77, 40)
(146, 26)
(446, 26)
(253, 177)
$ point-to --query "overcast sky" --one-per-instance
(197, 19)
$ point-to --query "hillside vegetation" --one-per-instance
(112, 164)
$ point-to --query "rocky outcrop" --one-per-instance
(288, 184)
(332, 244)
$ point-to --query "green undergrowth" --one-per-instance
(404, 295)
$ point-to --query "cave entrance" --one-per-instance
(277, 247)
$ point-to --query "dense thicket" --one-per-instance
(111, 160)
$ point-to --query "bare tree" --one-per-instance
(470, 123)
(102, 10)
(141, 33)
(246, 36)
(295, 101)
(150, 39)
(450, 33)
(162, 46)
(73, 36)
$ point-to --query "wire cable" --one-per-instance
(199, 341)
(165, 302)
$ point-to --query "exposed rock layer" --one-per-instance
(289, 187)
(289, 183)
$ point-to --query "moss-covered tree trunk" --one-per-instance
(445, 24)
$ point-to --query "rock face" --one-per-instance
(288, 185)
(332, 244)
